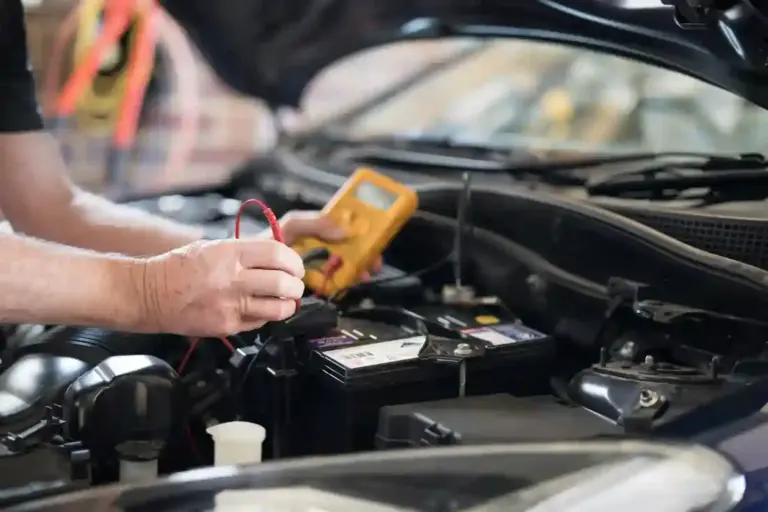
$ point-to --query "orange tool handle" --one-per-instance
(117, 18)
(141, 64)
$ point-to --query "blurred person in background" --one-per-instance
(78, 259)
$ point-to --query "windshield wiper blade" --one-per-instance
(520, 161)
(690, 160)
(717, 177)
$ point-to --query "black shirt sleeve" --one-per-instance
(18, 107)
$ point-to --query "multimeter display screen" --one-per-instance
(375, 196)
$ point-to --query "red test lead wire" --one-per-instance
(331, 266)
(195, 342)
(274, 225)
(277, 234)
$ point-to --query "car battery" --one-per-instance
(364, 365)
(490, 419)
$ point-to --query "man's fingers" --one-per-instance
(269, 254)
(298, 225)
(256, 309)
(270, 283)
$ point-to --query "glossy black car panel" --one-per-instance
(561, 476)
(272, 50)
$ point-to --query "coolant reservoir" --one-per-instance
(237, 442)
(137, 471)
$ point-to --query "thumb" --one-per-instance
(298, 225)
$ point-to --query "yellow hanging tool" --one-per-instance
(118, 18)
(98, 107)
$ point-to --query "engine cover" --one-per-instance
(37, 370)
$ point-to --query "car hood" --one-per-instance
(585, 475)
(273, 49)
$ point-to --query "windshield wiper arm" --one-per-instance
(424, 151)
(421, 161)
(422, 158)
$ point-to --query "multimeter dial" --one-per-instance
(354, 224)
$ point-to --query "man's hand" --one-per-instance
(221, 288)
(311, 224)
(229, 286)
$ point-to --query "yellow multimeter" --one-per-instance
(371, 208)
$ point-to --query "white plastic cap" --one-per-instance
(237, 442)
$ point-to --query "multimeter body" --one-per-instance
(371, 208)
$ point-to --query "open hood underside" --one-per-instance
(272, 49)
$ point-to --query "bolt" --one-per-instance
(604, 356)
(714, 367)
(463, 378)
(462, 349)
(649, 361)
(648, 398)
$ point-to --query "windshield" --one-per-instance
(538, 95)
(577, 477)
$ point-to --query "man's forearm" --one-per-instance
(41, 282)
(97, 224)
(39, 200)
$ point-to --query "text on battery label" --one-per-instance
(506, 334)
(358, 355)
(333, 341)
(375, 354)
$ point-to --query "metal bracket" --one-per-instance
(696, 14)
(438, 435)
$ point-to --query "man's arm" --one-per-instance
(69, 286)
(39, 281)
(205, 289)
(36, 195)
(39, 199)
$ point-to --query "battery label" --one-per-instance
(375, 354)
(505, 334)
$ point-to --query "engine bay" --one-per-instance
(468, 335)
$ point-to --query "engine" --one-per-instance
(66, 391)
(412, 358)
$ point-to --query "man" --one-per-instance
(111, 266)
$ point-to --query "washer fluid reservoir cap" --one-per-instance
(237, 442)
